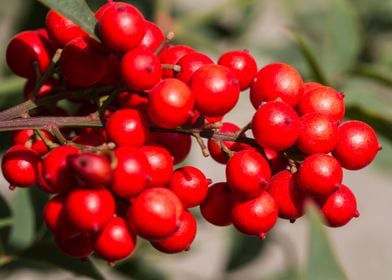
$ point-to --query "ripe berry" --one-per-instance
(256, 216)
(216, 208)
(46, 88)
(27, 48)
(121, 27)
(84, 61)
(216, 90)
(170, 104)
(19, 166)
(80, 246)
(140, 69)
(25, 135)
(309, 86)
(127, 127)
(90, 209)
(340, 207)
(276, 80)
(247, 173)
(319, 175)
(277, 160)
(357, 145)
(132, 172)
(324, 100)
(61, 30)
(275, 126)
(161, 163)
(132, 100)
(154, 214)
(242, 64)
(93, 170)
(190, 63)
(153, 37)
(181, 239)
(318, 133)
(171, 55)
(190, 185)
(56, 174)
(115, 241)
(287, 195)
(178, 145)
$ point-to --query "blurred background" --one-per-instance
(342, 43)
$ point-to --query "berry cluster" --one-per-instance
(116, 181)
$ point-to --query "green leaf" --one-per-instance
(38, 199)
(49, 254)
(5, 221)
(76, 10)
(291, 273)
(244, 249)
(22, 233)
(322, 263)
(136, 268)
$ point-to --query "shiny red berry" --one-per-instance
(79, 246)
(171, 55)
(179, 145)
(153, 37)
(190, 63)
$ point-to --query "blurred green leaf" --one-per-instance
(22, 233)
(38, 199)
(76, 10)
(372, 72)
(322, 263)
(291, 273)
(5, 221)
(136, 268)
(244, 249)
(49, 254)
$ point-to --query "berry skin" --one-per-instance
(61, 30)
(127, 127)
(357, 145)
(275, 126)
(242, 64)
(46, 89)
(153, 37)
(84, 61)
(161, 163)
(179, 145)
(276, 80)
(121, 27)
(318, 133)
(181, 239)
(287, 195)
(319, 175)
(324, 100)
(216, 208)
(28, 47)
(216, 90)
(171, 102)
(90, 209)
(140, 69)
(247, 173)
(19, 166)
(80, 246)
(171, 55)
(115, 241)
(339, 208)
(256, 216)
(154, 214)
(190, 185)
(190, 63)
(132, 172)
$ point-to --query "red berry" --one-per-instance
(140, 69)
(132, 100)
(80, 246)
(242, 64)
(121, 27)
(127, 127)
(324, 100)
(216, 208)
(181, 239)
(275, 126)
(154, 214)
(84, 61)
(19, 166)
(256, 216)
(178, 145)
(153, 37)
(287, 195)
(62, 30)
(216, 90)
(340, 207)
(115, 241)
(27, 48)
(190, 63)
(309, 86)
(90, 209)
(171, 55)
(277, 160)
(170, 104)
(276, 80)
(161, 163)
(357, 145)
(46, 88)
(190, 185)
(247, 173)
(318, 133)
(319, 175)
(132, 172)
